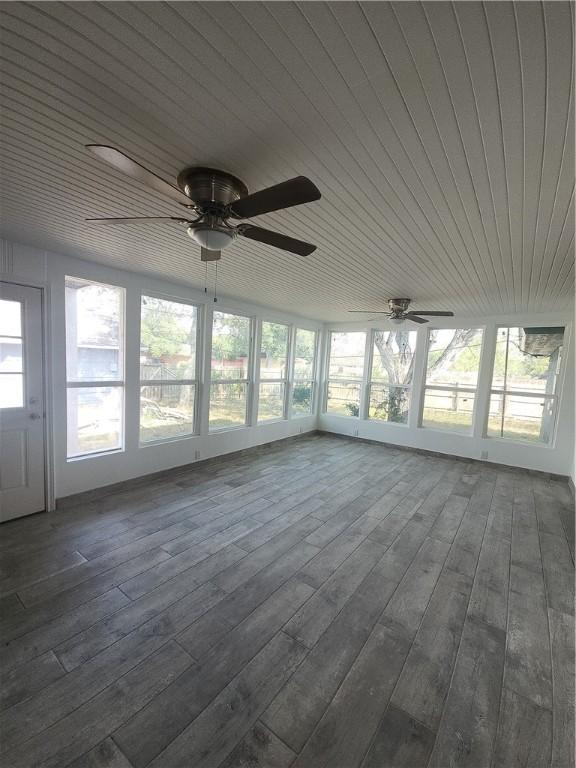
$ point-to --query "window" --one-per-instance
(229, 369)
(11, 370)
(524, 383)
(304, 372)
(345, 372)
(94, 367)
(391, 376)
(273, 371)
(168, 378)
(451, 378)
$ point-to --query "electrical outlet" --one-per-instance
(196, 455)
(484, 455)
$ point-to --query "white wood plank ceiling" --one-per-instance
(441, 136)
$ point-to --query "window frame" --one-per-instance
(99, 383)
(195, 382)
(554, 397)
(476, 391)
(287, 369)
(313, 381)
(249, 381)
(361, 381)
(370, 382)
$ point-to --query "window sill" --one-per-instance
(525, 443)
(95, 455)
(167, 440)
(388, 423)
(219, 430)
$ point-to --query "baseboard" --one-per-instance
(66, 502)
(438, 454)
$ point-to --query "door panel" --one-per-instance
(22, 422)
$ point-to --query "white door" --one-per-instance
(22, 486)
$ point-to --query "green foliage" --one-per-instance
(274, 340)
(161, 334)
(353, 409)
(301, 394)
(393, 407)
(230, 337)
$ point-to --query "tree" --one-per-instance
(461, 338)
(161, 333)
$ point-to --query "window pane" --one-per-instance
(230, 346)
(454, 356)
(10, 318)
(166, 411)
(94, 419)
(347, 355)
(521, 418)
(393, 356)
(449, 410)
(167, 340)
(305, 349)
(10, 355)
(302, 393)
(228, 405)
(343, 398)
(11, 390)
(527, 359)
(273, 351)
(271, 401)
(94, 332)
(389, 404)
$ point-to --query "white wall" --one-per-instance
(557, 457)
(41, 268)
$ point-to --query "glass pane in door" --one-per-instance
(11, 371)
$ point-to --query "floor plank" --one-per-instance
(399, 742)
(467, 730)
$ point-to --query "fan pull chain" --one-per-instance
(205, 277)
(215, 282)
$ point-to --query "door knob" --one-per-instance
(34, 416)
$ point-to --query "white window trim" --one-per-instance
(283, 380)
(550, 444)
(99, 383)
(249, 380)
(195, 382)
(375, 382)
(362, 381)
(475, 428)
(313, 381)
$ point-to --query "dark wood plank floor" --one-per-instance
(320, 602)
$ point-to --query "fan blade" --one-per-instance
(276, 239)
(415, 318)
(433, 313)
(206, 255)
(369, 311)
(131, 168)
(285, 195)
(139, 218)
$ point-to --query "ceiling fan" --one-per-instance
(215, 199)
(398, 312)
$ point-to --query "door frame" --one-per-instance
(45, 309)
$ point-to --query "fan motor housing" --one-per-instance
(398, 306)
(210, 187)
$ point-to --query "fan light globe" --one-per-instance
(397, 320)
(211, 239)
